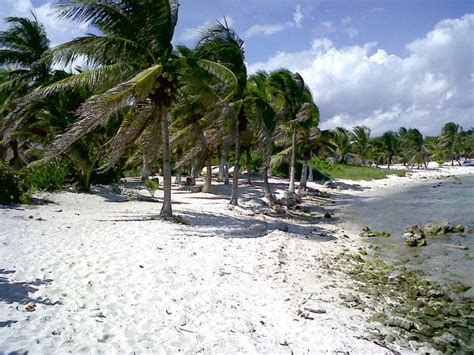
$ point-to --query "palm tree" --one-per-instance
(414, 146)
(263, 119)
(449, 140)
(360, 141)
(222, 45)
(133, 69)
(295, 106)
(390, 146)
(22, 47)
(339, 144)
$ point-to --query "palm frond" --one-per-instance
(100, 107)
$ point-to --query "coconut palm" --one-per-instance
(360, 141)
(390, 146)
(414, 145)
(132, 68)
(339, 144)
(263, 119)
(449, 140)
(295, 107)
(222, 45)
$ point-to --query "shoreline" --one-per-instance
(99, 269)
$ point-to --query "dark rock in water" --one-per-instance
(400, 323)
(327, 215)
(367, 233)
(415, 230)
(446, 339)
(439, 228)
(414, 240)
(459, 228)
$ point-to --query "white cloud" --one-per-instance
(194, 33)
(351, 31)
(328, 26)
(59, 31)
(298, 16)
(266, 30)
(346, 21)
(363, 84)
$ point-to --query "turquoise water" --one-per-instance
(451, 199)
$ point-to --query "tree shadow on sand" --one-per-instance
(19, 292)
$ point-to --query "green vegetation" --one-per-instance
(152, 185)
(327, 171)
(141, 105)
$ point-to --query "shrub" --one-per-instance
(13, 187)
(50, 176)
(152, 185)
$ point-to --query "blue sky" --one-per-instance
(382, 63)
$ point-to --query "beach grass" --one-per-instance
(353, 172)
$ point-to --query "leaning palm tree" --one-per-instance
(414, 146)
(296, 104)
(339, 144)
(360, 141)
(263, 120)
(390, 146)
(449, 140)
(133, 69)
(221, 44)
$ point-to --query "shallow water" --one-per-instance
(452, 200)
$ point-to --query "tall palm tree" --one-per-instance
(414, 146)
(390, 146)
(263, 119)
(22, 46)
(340, 144)
(361, 141)
(221, 44)
(132, 68)
(295, 106)
(450, 140)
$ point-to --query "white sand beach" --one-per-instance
(96, 273)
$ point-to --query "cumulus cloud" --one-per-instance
(266, 30)
(364, 84)
(194, 33)
(298, 16)
(59, 31)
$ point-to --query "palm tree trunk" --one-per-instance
(266, 185)
(304, 175)
(80, 157)
(177, 180)
(166, 210)
(234, 199)
(310, 173)
(226, 172)
(220, 163)
(249, 170)
(389, 161)
(146, 168)
(207, 186)
(291, 188)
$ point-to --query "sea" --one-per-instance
(449, 199)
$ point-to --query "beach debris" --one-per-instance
(457, 246)
(56, 332)
(30, 307)
(314, 310)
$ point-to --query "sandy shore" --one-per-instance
(97, 273)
